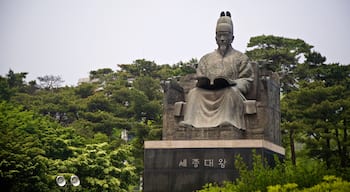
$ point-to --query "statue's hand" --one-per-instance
(233, 82)
(236, 90)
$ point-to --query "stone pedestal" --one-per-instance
(185, 166)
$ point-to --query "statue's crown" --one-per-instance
(224, 22)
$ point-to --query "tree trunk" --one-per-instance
(339, 146)
(292, 147)
(328, 149)
(344, 158)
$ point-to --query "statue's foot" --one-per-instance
(183, 124)
(228, 124)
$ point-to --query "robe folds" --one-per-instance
(206, 108)
(214, 108)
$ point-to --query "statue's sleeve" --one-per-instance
(246, 75)
(202, 67)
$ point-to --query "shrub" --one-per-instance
(282, 177)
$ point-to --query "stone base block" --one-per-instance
(185, 166)
(214, 133)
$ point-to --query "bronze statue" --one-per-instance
(223, 77)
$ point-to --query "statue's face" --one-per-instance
(223, 40)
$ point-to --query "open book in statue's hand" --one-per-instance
(216, 83)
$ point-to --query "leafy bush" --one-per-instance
(284, 176)
(330, 183)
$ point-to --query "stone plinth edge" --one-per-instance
(242, 143)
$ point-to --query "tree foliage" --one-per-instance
(50, 81)
(315, 102)
(319, 112)
(49, 130)
(281, 55)
(29, 142)
(262, 177)
(34, 150)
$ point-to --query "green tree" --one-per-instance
(101, 169)
(16, 79)
(5, 90)
(98, 102)
(319, 111)
(309, 70)
(183, 68)
(100, 76)
(28, 145)
(60, 104)
(140, 67)
(14, 83)
(165, 71)
(85, 90)
(282, 55)
(50, 82)
(149, 86)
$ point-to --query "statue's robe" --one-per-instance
(207, 107)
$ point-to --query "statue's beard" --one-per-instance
(223, 49)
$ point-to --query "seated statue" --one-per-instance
(229, 97)
(223, 77)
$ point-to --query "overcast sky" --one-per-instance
(70, 38)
